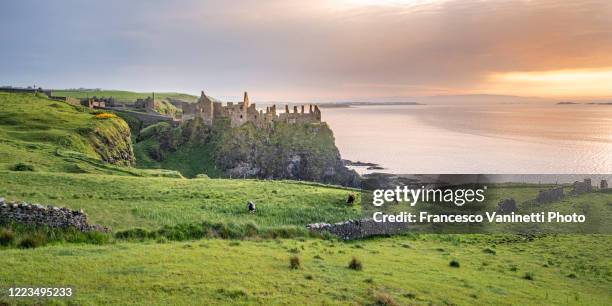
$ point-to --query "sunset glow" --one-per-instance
(571, 83)
(317, 50)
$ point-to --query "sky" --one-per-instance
(315, 50)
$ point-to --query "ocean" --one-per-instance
(502, 138)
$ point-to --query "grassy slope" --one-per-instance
(55, 136)
(124, 202)
(123, 96)
(32, 128)
(411, 270)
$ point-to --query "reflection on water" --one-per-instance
(501, 138)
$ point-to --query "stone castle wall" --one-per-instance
(356, 229)
(582, 187)
(243, 112)
(36, 214)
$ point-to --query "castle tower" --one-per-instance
(206, 107)
(245, 102)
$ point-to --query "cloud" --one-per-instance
(300, 50)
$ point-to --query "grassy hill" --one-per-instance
(60, 144)
(42, 133)
(121, 95)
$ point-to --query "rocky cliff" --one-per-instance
(111, 139)
(285, 151)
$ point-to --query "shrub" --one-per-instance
(454, 263)
(294, 262)
(22, 167)
(6, 237)
(105, 116)
(528, 276)
(355, 264)
(32, 241)
(135, 233)
(384, 299)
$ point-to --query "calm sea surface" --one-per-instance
(502, 138)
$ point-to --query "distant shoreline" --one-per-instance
(351, 104)
(586, 103)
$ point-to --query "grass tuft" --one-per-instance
(32, 241)
(22, 167)
(384, 299)
(355, 264)
(294, 262)
(489, 251)
(7, 237)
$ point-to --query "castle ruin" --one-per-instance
(245, 111)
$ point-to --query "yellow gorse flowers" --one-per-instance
(105, 116)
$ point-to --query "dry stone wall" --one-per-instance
(506, 206)
(36, 214)
(551, 195)
(356, 229)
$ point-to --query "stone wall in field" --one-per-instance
(36, 214)
(551, 195)
(355, 229)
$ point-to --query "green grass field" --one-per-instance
(564, 270)
(412, 269)
(124, 202)
(122, 95)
